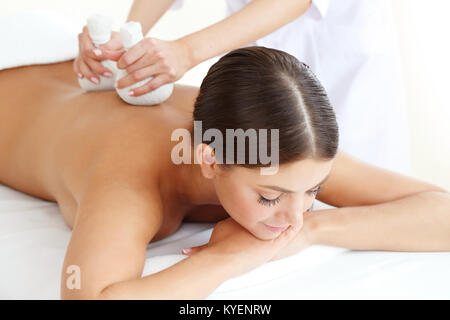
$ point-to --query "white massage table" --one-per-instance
(34, 237)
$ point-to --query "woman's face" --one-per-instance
(258, 202)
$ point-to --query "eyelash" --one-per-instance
(266, 202)
(315, 191)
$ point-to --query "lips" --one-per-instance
(275, 229)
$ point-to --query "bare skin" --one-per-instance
(167, 61)
(108, 166)
(49, 150)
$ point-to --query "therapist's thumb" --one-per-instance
(113, 49)
(111, 54)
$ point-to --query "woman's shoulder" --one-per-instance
(128, 184)
(183, 98)
(121, 182)
(128, 162)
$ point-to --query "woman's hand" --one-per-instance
(232, 240)
(165, 61)
(301, 241)
(87, 64)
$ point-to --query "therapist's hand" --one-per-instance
(87, 64)
(165, 61)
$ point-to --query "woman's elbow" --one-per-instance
(436, 189)
(82, 294)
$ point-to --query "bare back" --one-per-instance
(52, 132)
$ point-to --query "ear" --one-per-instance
(206, 158)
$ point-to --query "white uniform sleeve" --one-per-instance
(177, 5)
(318, 9)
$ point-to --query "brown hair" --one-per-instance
(262, 88)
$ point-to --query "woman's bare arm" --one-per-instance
(355, 183)
(167, 61)
(419, 222)
(193, 278)
(380, 210)
(114, 226)
(148, 12)
(254, 21)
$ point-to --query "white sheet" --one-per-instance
(34, 237)
(36, 37)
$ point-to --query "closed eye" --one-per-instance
(268, 202)
(315, 192)
(274, 202)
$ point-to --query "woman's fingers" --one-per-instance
(115, 44)
(286, 236)
(87, 48)
(112, 50)
(153, 84)
(88, 61)
(87, 73)
(146, 60)
(193, 250)
(98, 68)
(82, 64)
(114, 55)
(76, 68)
(165, 61)
(132, 55)
(105, 54)
(138, 75)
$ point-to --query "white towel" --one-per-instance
(36, 37)
(160, 257)
(270, 271)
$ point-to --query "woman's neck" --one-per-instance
(192, 188)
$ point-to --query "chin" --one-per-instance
(264, 235)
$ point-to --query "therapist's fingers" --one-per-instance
(112, 50)
(100, 54)
(115, 43)
(76, 68)
(86, 47)
(145, 61)
(87, 73)
(114, 55)
(153, 84)
(80, 68)
(98, 68)
(132, 55)
(138, 75)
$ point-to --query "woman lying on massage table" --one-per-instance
(111, 169)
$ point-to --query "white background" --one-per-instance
(423, 39)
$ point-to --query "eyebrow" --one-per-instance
(289, 191)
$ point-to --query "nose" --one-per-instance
(293, 213)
